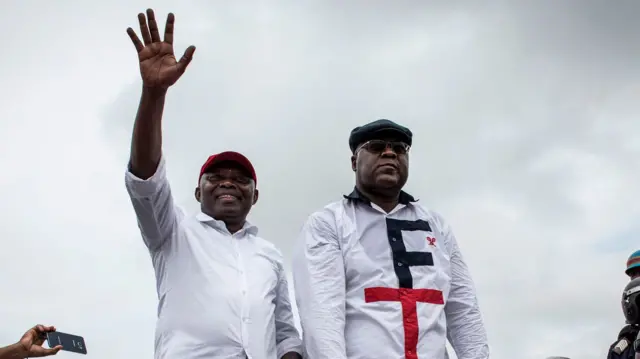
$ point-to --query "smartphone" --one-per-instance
(69, 342)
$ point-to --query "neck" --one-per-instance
(233, 227)
(383, 200)
(233, 224)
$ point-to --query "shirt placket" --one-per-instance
(244, 313)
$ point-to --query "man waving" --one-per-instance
(222, 290)
(379, 276)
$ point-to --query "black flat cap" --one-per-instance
(378, 130)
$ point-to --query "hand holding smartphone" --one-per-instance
(69, 342)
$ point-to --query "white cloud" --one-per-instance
(525, 127)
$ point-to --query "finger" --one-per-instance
(38, 334)
(186, 58)
(134, 38)
(144, 30)
(49, 328)
(153, 26)
(168, 29)
(46, 352)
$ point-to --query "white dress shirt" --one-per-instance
(221, 295)
(377, 285)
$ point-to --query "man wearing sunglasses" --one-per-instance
(378, 275)
(222, 289)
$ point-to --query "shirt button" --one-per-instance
(393, 239)
(399, 264)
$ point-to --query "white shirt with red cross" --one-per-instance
(377, 285)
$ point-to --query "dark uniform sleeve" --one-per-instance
(628, 353)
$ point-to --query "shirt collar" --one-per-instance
(247, 227)
(357, 196)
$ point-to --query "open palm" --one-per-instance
(158, 65)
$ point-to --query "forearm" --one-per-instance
(14, 351)
(470, 342)
(146, 142)
(288, 342)
(466, 329)
(320, 288)
(321, 306)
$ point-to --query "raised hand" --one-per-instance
(33, 339)
(158, 66)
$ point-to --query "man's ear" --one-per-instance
(256, 194)
(197, 193)
(354, 159)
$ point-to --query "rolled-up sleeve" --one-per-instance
(287, 336)
(319, 284)
(465, 327)
(153, 204)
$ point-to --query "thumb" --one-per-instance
(46, 352)
(186, 58)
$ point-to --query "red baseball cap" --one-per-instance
(229, 156)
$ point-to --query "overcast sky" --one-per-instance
(526, 138)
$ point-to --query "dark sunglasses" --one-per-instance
(379, 146)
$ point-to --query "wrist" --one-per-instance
(18, 350)
(153, 92)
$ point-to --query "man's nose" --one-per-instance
(226, 183)
(388, 152)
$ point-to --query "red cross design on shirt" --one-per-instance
(406, 294)
(409, 299)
